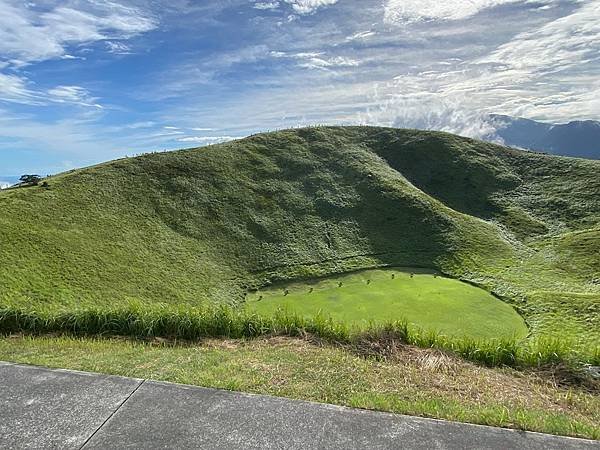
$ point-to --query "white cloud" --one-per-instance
(72, 94)
(550, 72)
(266, 5)
(360, 36)
(167, 133)
(559, 45)
(118, 48)
(14, 88)
(441, 74)
(29, 33)
(328, 63)
(344, 68)
(430, 111)
(308, 6)
(137, 125)
(17, 89)
(301, 55)
(317, 60)
(408, 11)
(72, 57)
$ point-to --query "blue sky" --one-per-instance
(87, 81)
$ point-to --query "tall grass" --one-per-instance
(178, 322)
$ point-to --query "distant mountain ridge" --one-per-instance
(580, 138)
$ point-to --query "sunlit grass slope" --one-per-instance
(208, 224)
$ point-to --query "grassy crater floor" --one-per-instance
(424, 299)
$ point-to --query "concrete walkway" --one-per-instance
(44, 408)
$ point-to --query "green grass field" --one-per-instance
(205, 226)
(173, 245)
(424, 300)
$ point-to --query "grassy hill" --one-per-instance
(205, 225)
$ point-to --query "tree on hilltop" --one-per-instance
(33, 180)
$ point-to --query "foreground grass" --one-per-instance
(414, 381)
(423, 299)
(178, 322)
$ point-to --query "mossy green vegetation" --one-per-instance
(424, 300)
(205, 226)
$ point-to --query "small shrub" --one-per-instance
(32, 180)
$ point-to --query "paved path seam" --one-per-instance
(112, 414)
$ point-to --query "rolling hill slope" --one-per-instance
(207, 224)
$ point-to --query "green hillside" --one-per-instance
(209, 224)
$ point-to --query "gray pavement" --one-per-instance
(44, 408)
